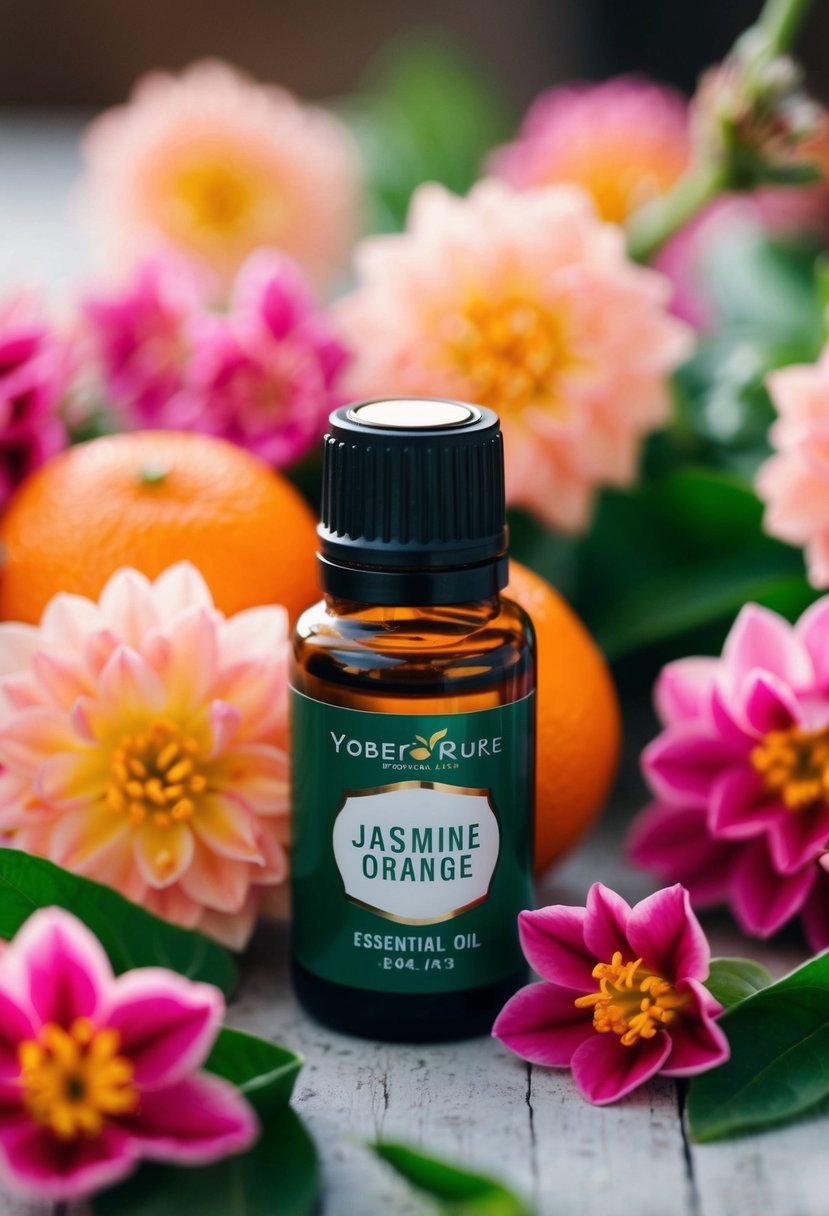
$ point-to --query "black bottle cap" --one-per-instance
(413, 503)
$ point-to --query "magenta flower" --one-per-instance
(98, 1072)
(740, 774)
(625, 141)
(622, 995)
(34, 374)
(139, 335)
(266, 375)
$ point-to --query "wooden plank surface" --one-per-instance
(472, 1102)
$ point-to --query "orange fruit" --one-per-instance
(579, 724)
(150, 499)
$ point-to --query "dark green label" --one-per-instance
(412, 844)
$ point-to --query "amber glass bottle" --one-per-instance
(413, 732)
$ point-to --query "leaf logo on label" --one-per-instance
(424, 752)
(417, 852)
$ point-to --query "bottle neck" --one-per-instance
(421, 586)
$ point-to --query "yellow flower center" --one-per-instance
(73, 1079)
(632, 1001)
(794, 763)
(509, 349)
(214, 195)
(154, 777)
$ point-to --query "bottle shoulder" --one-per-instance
(416, 650)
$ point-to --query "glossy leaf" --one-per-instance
(279, 1175)
(426, 111)
(457, 1191)
(779, 1065)
(680, 555)
(263, 1071)
(731, 980)
(130, 936)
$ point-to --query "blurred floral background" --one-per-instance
(609, 222)
(223, 225)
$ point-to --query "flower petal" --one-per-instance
(674, 843)
(681, 764)
(225, 720)
(258, 773)
(797, 838)
(217, 882)
(605, 1070)
(762, 899)
(664, 931)
(761, 639)
(32, 735)
(225, 825)
(605, 924)
(58, 966)
(167, 1024)
(128, 606)
(35, 1162)
(813, 631)
(683, 689)
(163, 854)
(179, 588)
(553, 943)
(768, 703)
(697, 1042)
(740, 807)
(195, 1121)
(815, 914)
(128, 685)
(542, 1024)
(15, 1025)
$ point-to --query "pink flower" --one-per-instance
(143, 741)
(622, 995)
(740, 774)
(34, 373)
(625, 141)
(98, 1072)
(266, 375)
(794, 482)
(139, 335)
(525, 302)
(217, 165)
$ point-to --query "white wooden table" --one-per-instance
(472, 1102)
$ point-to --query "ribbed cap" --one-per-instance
(413, 485)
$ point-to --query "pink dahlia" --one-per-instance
(525, 302)
(217, 165)
(625, 141)
(139, 335)
(740, 774)
(794, 482)
(35, 369)
(267, 374)
(621, 996)
(98, 1072)
(142, 740)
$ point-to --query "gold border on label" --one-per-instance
(443, 787)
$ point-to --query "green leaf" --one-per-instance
(731, 980)
(426, 111)
(779, 1065)
(263, 1071)
(130, 936)
(459, 1192)
(679, 555)
(279, 1175)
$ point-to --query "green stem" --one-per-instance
(653, 225)
(780, 21)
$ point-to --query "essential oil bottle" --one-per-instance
(413, 730)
